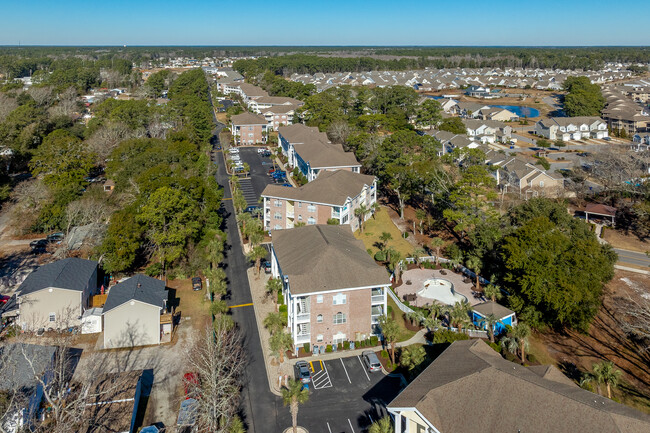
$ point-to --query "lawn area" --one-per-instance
(375, 227)
(397, 316)
(627, 242)
(192, 305)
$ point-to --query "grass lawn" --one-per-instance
(192, 305)
(397, 316)
(375, 227)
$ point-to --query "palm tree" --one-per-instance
(374, 208)
(604, 372)
(361, 213)
(420, 215)
(521, 332)
(294, 395)
(256, 255)
(459, 315)
(490, 323)
(275, 322)
(273, 286)
(417, 254)
(492, 291)
(412, 358)
(280, 342)
(236, 426)
(384, 425)
(436, 244)
(474, 264)
(384, 238)
(244, 219)
(436, 309)
(391, 331)
(415, 317)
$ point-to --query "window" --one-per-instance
(311, 208)
(339, 318)
(319, 299)
(299, 204)
(250, 128)
(52, 317)
(277, 216)
(319, 318)
(339, 338)
(319, 338)
(299, 217)
(311, 221)
(277, 203)
(339, 299)
(277, 227)
(541, 183)
(345, 219)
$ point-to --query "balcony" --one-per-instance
(290, 214)
(303, 338)
(377, 295)
(377, 310)
(302, 317)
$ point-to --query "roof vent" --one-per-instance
(139, 285)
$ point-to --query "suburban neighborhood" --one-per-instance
(316, 232)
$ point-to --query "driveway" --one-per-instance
(632, 258)
(344, 397)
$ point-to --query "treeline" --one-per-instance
(171, 217)
(583, 98)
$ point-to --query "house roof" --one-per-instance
(319, 154)
(330, 187)
(322, 258)
(489, 307)
(71, 274)
(600, 209)
(508, 397)
(138, 288)
(299, 133)
(17, 374)
(248, 119)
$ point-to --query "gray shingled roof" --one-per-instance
(330, 187)
(139, 288)
(17, 374)
(71, 273)
(247, 119)
(489, 307)
(321, 258)
(506, 397)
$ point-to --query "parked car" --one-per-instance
(197, 284)
(262, 150)
(38, 246)
(4, 299)
(303, 373)
(267, 267)
(607, 138)
(287, 184)
(56, 237)
(190, 380)
(371, 361)
(233, 150)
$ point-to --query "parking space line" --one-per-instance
(328, 427)
(363, 367)
(346, 370)
(350, 422)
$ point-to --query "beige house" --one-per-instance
(56, 295)
(470, 388)
(334, 195)
(135, 313)
(571, 128)
(248, 128)
(516, 175)
(335, 292)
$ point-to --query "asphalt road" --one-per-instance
(632, 258)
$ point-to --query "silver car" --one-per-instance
(371, 361)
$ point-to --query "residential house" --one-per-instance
(488, 131)
(503, 397)
(279, 115)
(249, 128)
(25, 380)
(56, 295)
(333, 195)
(467, 109)
(259, 104)
(527, 179)
(334, 290)
(451, 141)
(571, 128)
(113, 402)
(478, 92)
(498, 114)
(135, 313)
(311, 151)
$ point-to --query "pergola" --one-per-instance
(600, 210)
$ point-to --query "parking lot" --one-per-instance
(254, 184)
(344, 397)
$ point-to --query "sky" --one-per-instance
(325, 22)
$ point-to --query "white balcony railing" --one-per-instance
(302, 317)
(303, 338)
(289, 214)
(377, 299)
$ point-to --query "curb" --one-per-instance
(626, 268)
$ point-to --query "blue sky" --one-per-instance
(324, 22)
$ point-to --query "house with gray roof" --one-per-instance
(333, 195)
(56, 294)
(333, 289)
(517, 175)
(572, 128)
(503, 397)
(136, 313)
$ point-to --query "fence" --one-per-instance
(399, 303)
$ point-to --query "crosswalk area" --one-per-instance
(320, 378)
(248, 191)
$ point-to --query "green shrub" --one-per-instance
(405, 235)
(367, 341)
(153, 270)
(380, 256)
(384, 354)
(374, 340)
(280, 299)
(346, 345)
(389, 309)
(339, 346)
(531, 358)
(306, 347)
(495, 346)
(447, 336)
(283, 309)
(328, 348)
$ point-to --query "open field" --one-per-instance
(620, 240)
(374, 227)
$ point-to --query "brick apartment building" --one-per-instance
(311, 151)
(332, 195)
(248, 128)
(334, 290)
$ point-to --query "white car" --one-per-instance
(233, 150)
(261, 150)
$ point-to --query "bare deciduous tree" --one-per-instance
(635, 313)
(217, 359)
(106, 138)
(67, 104)
(7, 105)
(43, 96)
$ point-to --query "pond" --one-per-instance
(520, 110)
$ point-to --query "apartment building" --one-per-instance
(571, 128)
(248, 128)
(312, 152)
(279, 115)
(516, 175)
(334, 195)
(334, 290)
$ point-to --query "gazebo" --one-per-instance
(600, 211)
